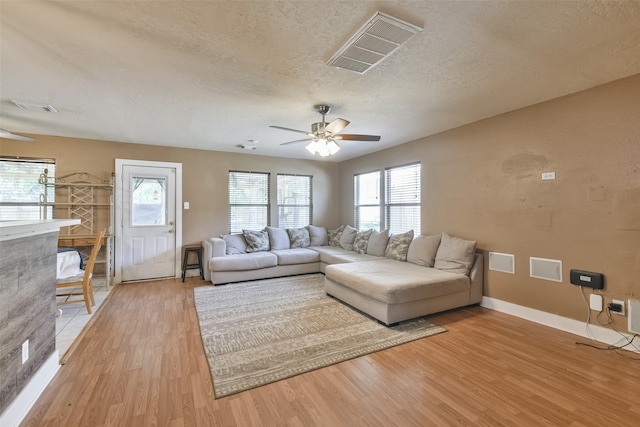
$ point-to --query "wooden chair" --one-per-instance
(83, 280)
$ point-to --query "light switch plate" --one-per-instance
(186, 205)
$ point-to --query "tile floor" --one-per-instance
(74, 316)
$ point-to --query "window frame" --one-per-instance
(232, 224)
(415, 221)
(40, 211)
(308, 207)
(357, 203)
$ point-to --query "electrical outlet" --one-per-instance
(25, 351)
(621, 303)
(595, 302)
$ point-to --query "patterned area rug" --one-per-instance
(256, 333)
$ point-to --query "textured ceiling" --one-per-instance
(215, 74)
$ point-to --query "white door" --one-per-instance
(148, 222)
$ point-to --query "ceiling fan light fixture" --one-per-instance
(312, 147)
(333, 147)
(323, 150)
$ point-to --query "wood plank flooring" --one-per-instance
(142, 364)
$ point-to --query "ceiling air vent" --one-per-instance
(32, 106)
(377, 39)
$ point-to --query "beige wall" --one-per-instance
(204, 175)
(482, 182)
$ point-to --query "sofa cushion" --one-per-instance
(347, 238)
(296, 256)
(299, 237)
(317, 236)
(334, 236)
(235, 243)
(333, 255)
(394, 282)
(248, 261)
(256, 240)
(423, 249)
(398, 246)
(455, 255)
(361, 241)
(278, 238)
(378, 243)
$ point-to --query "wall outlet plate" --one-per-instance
(595, 302)
(619, 313)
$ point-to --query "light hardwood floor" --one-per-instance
(142, 364)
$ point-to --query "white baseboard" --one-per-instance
(21, 405)
(598, 333)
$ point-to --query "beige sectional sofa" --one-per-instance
(390, 278)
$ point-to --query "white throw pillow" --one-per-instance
(423, 249)
(318, 236)
(347, 238)
(278, 238)
(378, 243)
(235, 243)
(455, 255)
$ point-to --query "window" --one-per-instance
(366, 189)
(19, 188)
(295, 207)
(402, 198)
(248, 201)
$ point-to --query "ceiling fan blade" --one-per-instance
(297, 140)
(291, 130)
(354, 137)
(6, 134)
(336, 126)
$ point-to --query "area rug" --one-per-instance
(255, 333)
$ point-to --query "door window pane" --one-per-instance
(148, 201)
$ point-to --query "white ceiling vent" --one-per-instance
(377, 39)
(32, 106)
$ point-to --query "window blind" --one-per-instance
(248, 201)
(366, 192)
(295, 204)
(19, 188)
(402, 201)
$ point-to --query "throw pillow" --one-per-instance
(347, 238)
(299, 237)
(278, 238)
(398, 246)
(256, 240)
(361, 241)
(378, 243)
(235, 243)
(423, 249)
(334, 236)
(318, 236)
(455, 255)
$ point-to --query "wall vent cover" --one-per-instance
(547, 269)
(376, 40)
(502, 262)
(634, 316)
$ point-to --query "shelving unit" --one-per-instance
(88, 198)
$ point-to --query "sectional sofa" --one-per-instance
(391, 278)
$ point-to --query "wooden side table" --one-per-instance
(185, 261)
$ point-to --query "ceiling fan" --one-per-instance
(323, 135)
(6, 134)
